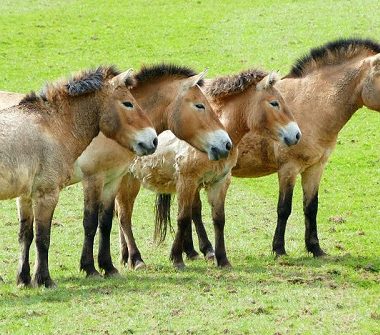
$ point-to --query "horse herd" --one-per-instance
(100, 127)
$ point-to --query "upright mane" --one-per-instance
(334, 52)
(81, 83)
(229, 85)
(158, 71)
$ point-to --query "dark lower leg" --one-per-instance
(284, 209)
(25, 240)
(177, 248)
(90, 225)
(188, 245)
(42, 276)
(105, 226)
(311, 233)
(220, 248)
(204, 243)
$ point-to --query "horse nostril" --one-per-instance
(155, 142)
(298, 136)
(228, 146)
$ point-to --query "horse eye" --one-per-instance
(200, 106)
(128, 104)
(274, 103)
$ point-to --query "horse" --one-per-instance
(172, 98)
(41, 138)
(323, 89)
(244, 102)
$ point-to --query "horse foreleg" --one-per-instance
(287, 180)
(216, 197)
(25, 238)
(44, 205)
(204, 243)
(186, 189)
(125, 200)
(92, 192)
(310, 185)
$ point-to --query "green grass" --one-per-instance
(42, 40)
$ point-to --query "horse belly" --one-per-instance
(15, 182)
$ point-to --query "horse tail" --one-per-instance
(162, 212)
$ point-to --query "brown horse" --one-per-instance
(245, 102)
(42, 136)
(171, 96)
(324, 89)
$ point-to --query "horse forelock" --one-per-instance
(334, 52)
(158, 71)
(230, 85)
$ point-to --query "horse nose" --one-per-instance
(228, 146)
(148, 149)
(298, 136)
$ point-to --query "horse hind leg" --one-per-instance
(216, 197)
(125, 199)
(25, 237)
(205, 245)
(284, 208)
(310, 184)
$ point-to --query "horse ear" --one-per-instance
(268, 81)
(197, 79)
(123, 79)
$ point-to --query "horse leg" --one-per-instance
(205, 245)
(188, 245)
(128, 191)
(287, 181)
(25, 239)
(310, 185)
(105, 226)
(44, 205)
(92, 192)
(186, 190)
(217, 197)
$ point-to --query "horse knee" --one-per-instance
(284, 211)
(311, 207)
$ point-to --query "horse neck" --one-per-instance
(77, 122)
(326, 99)
(155, 98)
(233, 114)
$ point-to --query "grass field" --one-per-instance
(44, 39)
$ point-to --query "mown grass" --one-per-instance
(41, 40)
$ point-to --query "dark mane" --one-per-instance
(333, 53)
(81, 83)
(229, 85)
(153, 72)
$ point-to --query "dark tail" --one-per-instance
(162, 211)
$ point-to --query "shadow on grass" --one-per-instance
(164, 279)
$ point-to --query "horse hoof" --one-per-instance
(93, 274)
(179, 266)
(112, 273)
(193, 257)
(279, 254)
(140, 265)
(210, 255)
(225, 264)
(319, 253)
(48, 282)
